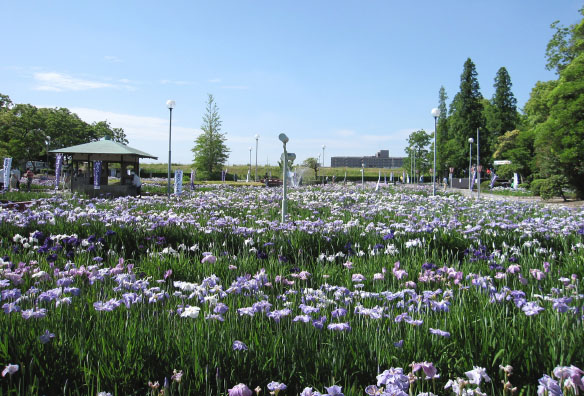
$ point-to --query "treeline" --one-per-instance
(544, 141)
(28, 132)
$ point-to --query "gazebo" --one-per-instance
(83, 158)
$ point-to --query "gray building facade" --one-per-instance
(379, 160)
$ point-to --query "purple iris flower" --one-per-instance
(548, 387)
(339, 327)
(46, 337)
(276, 386)
(239, 346)
(334, 391)
(439, 332)
(240, 390)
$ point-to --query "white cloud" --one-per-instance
(237, 87)
(112, 59)
(59, 82)
(149, 134)
(215, 80)
(345, 133)
(176, 82)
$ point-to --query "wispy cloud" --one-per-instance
(176, 82)
(112, 59)
(59, 82)
(237, 87)
(345, 133)
(215, 80)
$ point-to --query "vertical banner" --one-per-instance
(58, 167)
(391, 177)
(515, 180)
(472, 180)
(493, 180)
(97, 175)
(378, 180)
(223, 173)
(192, 179)
(345, 178)
(7, 169)
(408, 177)
(178, 176)
(403, 176)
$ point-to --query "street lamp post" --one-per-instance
(414, 180)
(435, 114)
(470, 142)
(284, 139)
(256, 165)
(323, 147)
(48, 141)
(170, 104)
(478, 167)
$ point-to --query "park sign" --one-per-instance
(502, 162)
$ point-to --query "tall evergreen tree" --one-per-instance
(210, 150)
(466, 116)
(443, 136)
(501, 112)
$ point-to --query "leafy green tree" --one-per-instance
(312, 163)
(466, 116)
(537, 108)
(103, 128)
(517, 146)
(210, 150)
(420, 145)
(5, 102)
(560, 139)
(564, 46)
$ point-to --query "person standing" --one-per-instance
(29, 176)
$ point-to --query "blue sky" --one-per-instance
(356, 76)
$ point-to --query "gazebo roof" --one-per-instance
(104, 147)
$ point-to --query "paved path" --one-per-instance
(551, 202)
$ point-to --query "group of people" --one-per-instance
(15, 179)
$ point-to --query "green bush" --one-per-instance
(535, 186)
(553, 186)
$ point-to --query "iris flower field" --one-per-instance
(360, 292)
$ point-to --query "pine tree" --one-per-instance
(210, 150)
(505, 117)
(442, 159)
(466, 116)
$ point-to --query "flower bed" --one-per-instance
(359, 292)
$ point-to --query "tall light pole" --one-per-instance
(435, 114)
(470, 142)
(414, 180)
(323, 147)
(478, 170)
(284, 139)
(48, 141)
(250, 160)
(170, 104)
(256, 166)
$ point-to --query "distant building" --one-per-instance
(379, 160)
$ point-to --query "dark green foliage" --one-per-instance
(553, 186)
(27, 132)
(535, 186)
(466, 116)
